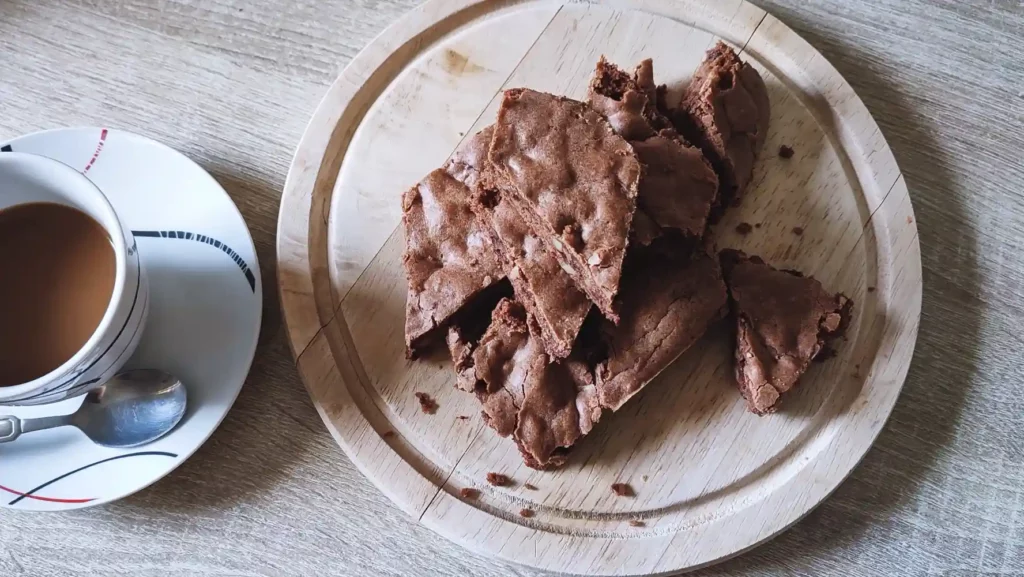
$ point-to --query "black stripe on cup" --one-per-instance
(6, 148)
(194, 236)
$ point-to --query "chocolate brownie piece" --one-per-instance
(544, 406)
(575, 183)
(725, 111)
(449, 257)
(679, 185)
(668, 303)
(469, 164)
(629, 102)
(540, 284)
(783, 320)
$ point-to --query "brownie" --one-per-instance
(679, 185)
(540, 284)
(725, 111)
(469, 164)
(575, 183)
(783, 320)
(544, 406)
(629, 102)
(668, 302)
(449, 257)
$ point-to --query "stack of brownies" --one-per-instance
(563, 253)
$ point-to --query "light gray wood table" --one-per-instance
(231, 83)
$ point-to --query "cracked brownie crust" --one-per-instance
(725, 111)
(449, 258)
(548, 293)
(544, 406)
(783, 320)
(575, 184)
(679, 185)
(667, 306)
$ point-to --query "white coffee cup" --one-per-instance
(28, 178)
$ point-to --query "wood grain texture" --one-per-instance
(232, 83)
(712, 479)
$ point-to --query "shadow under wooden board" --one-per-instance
(711, 479)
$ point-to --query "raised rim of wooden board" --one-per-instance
(323, 346)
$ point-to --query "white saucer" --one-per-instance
(204, 320)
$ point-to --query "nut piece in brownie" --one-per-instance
(668, 302)
(449, 257)
(679, 184)
(575, 184)
(783, 320)
(544, 406)
(725, 111)
(540, 284)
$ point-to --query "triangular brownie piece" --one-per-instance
(544, 406)
(449, 257)
(783, 320)
(725, 111)
(575, 184)
(548, 293)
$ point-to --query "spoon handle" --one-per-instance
(12, 427)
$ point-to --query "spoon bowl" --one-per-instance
(134, 408)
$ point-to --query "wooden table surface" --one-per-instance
(231, 83)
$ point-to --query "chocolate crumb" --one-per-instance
(644, 478)
(757, 225)
(785, 151)
(744, 228)
(498, 480)
(637, 523)
(463, 417)
(529, 487)
(825, 354)
(427, 404)
(388, 434)
(871, 289)
(526, 513)
(469, 493)
(798, 230)
(623, 490)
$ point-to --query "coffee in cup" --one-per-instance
(63, 269)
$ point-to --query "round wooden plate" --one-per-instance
(711, 479)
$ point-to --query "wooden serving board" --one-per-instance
(711, 479)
